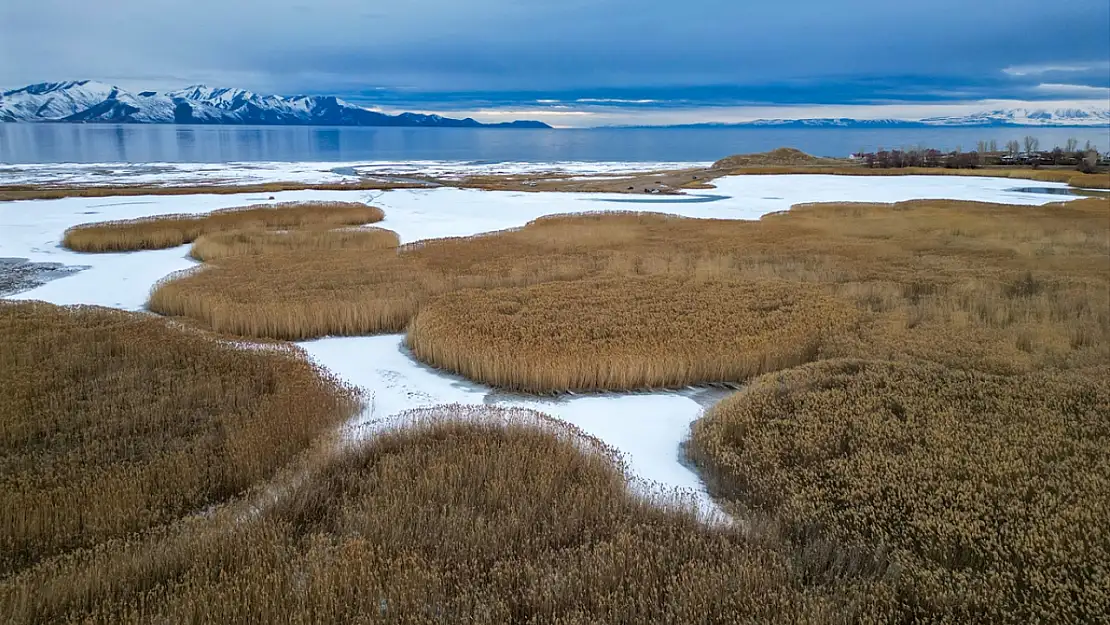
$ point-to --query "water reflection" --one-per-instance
(93, 143)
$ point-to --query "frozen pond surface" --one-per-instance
(648, 428)
(184, 174)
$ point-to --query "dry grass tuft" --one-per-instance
(172, 230)
(433, 523)
(210, 247)
(990, 494)
(113, 422)
(626, 333)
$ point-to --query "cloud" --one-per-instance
(614, 101)
(1037, 70)
(486, 54)
(597, 115)
(1076, 91)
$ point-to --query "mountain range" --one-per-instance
(1017, 117)
(87, 101)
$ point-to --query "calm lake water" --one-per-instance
(93, 143)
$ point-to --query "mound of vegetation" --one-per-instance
(172, 230)
(990, 495)
(626, 333)
(219, 245)
(467, 515)
(114, 422)
(781, 157)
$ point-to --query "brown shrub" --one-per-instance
(210, 247)
(626, 333)
(466, 515)
(172, 230)
(114, 422)
(990, 494)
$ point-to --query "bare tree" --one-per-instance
(994, 146)
(1031, 144)
(1072, 145)
(981, 147)
(1088, 147)
(1089, 161)
(1013, 147)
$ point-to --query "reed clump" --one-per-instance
(164, 231)
(626, 333)
(462, 515)
(112, 423)
(990, 494)
(988, 287)
(210, 247)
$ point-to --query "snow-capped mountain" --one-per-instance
(89, 101)
(1028, 117)
(1065, 117)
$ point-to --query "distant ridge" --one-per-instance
(999, 118)
(87, 101)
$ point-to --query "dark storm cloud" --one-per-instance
(710, 51)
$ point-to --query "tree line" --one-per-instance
(987, 153)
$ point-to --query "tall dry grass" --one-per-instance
(626, 333)
(995, 288)
(210, 247)
(990, 495)
(172, 230)
(114, 422)
(465, 515)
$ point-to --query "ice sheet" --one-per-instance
(184, 174)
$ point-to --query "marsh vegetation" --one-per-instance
(919, 439)
(164, 231)
(997, 288)
(989, 494)
(112, 423)
(432, 523)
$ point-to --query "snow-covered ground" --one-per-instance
(647, 428)
(187, 174)
(172, 174)
(453, 170)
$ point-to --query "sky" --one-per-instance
(585, 62)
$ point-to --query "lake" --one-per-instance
(99, 143)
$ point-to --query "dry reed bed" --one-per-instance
(432, 523)
(626, 333)
(113, 422)
(211, 247)
(996, 288)
(164, 231)
(990, 495)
